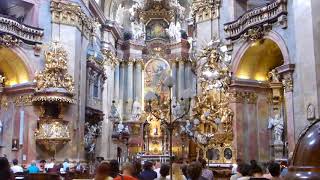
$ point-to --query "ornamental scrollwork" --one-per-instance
(55, 73)
(287, 83)
(9, 41)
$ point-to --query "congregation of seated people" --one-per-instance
(135, 170)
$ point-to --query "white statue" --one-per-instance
(2, 78)
(174, 31)
(120, 14)
(137, 30)
(277, 126)
(136, 111)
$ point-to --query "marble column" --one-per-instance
(181, 78)
(138, 80)
(252, 126)
(174, 76)
(288, 98)
(188, 76)
(121, 88)
(237, 106)
(116, 82)
(129, 86)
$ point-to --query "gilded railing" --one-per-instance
(28, 34)
(274, 12)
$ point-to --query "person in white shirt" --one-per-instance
(49, 165)
(16, 168)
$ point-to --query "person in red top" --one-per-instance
(127, 172)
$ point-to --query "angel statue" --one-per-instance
(114, 113)
(277, 126)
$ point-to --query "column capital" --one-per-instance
(287, 82)
(236, 96)
(130, 61)
(250, 97)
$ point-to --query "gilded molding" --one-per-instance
(287, 82)
(27, 34)
(24, 100)
(250, 97)
(71, 14)
(254, 34)
(264, 17)
(9, 41)
(236, 97)
(54, 81)
(4, 102)
(111, 59)
(203, 10)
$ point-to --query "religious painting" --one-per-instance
(157, 29)
(156, 71)
(213, 154)
(15, 144)
(227, 153)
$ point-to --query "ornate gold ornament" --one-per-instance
(52, 133)
(287, 82)
(19, 31)
(71, 14)
(269, 14)
(9, 41)
(23, 100)
(54, 87)
(211, 112)
(4, 102)
(250, 97)
(254, 34)
(54, 83)
(155, 9)
(205, 9)
(110, 57)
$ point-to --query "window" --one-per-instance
(96, 87)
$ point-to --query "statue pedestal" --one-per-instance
(277, 151)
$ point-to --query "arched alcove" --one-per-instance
(13, 68)
(259, 59)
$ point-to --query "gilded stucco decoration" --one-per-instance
(9, 41)
(16, 32)
(4, 102)
(205, 9)
(287, 83)
(23, 100)
(110, 57)
(254, 22)
(54, 89)
(71, 14)
(212, 116)
(54, 83)
(254, 34)
(52, 133)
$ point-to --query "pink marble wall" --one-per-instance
(252, 131)
(238, 129)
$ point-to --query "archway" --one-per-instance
(13, 68)
(263, 99)
(259, 59)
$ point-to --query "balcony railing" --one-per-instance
(28, 34)
(271, 13)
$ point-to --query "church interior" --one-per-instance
(162, 81)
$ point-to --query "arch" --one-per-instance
(270, 40)
(14, 67)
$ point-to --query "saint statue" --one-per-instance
(137, 30)
(2, 78)
(274, 76)
(136, 111)
(277, 126)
